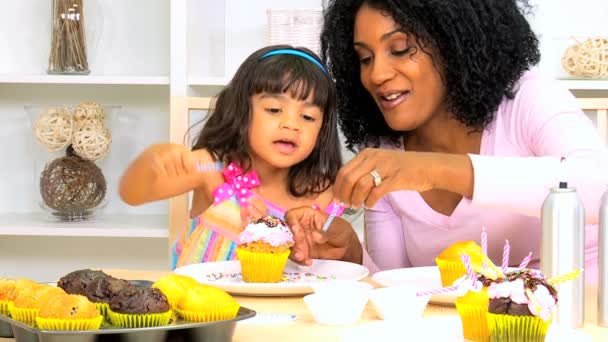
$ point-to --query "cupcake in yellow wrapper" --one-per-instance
(28, 301)
(205, 303)
(472, 308)
(260, 267)
(173, 286)
(520, 307)
(139, 320)
(449, 262)
(517, 328)
(139, 307)
(69, 312)
(264, 246)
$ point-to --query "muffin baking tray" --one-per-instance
(178, 331)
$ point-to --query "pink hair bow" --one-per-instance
(237, 184)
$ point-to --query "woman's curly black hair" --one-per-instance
(481, 49)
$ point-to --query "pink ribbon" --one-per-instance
(237, 184)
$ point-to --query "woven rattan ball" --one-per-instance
(88, 113)
(588, 59)
(54, 128)
(71, 184)
(92, 142)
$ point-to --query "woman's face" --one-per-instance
(402, 79)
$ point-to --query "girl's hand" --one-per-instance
(173, 160)
(255, 210)
(397, 170)
(338, 243)
(164, 170)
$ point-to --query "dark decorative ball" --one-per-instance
(72, 184)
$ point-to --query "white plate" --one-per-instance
(227, 276)
(418, 278)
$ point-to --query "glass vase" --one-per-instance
(68, 53)
(67, 144)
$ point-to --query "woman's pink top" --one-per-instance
(517, 164)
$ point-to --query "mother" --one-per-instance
(458, 133)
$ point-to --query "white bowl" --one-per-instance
(338, 303)
(398, 303)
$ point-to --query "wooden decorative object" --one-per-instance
(88, 113)
(68, 45)
(588, 59)
(72, 185)
(54, 128)
(92, 142)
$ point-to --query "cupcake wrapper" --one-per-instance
(139, 320)
(4, 307)
(474, 323)
(193, 316)
(69, 324)
(103, 309)
(262, 267)
(27, 316)
(450, 271)
(508, 328)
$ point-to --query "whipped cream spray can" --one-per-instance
(602, 286)
(563, 249)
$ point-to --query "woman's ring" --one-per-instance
(376, 176)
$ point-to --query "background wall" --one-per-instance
(134, 67)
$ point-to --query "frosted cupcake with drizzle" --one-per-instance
(263, 250)
(520, 307)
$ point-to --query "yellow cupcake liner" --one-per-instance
(194, 316)
(259, 267)
(103, 309)
(450, 271)
(506, 328)
(139, 320)
(69, 324)
(474, 322)
(4, 307)
(24, 315)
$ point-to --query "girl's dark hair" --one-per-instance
(480, 47)
(225, 134)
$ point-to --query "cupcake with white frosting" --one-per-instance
(264, 246)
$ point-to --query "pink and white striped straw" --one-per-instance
(437, 291)
(484, 246)
(466, 260)
(526, 261)
(505, 256)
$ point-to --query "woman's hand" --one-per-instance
(400, 170)
(340, 242)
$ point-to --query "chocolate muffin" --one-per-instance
(77, 282)
(139, 300)
(102, 290)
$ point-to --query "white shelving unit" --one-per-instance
(142, 53)
(68, 79)
(585, 84)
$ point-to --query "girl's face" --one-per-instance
(283, 130)
(402, 79)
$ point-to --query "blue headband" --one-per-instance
(295, 53)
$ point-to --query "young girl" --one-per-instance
(272, 135)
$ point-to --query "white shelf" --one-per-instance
(84, 79)
(205, 81)
(585, 84)
(131, 226)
